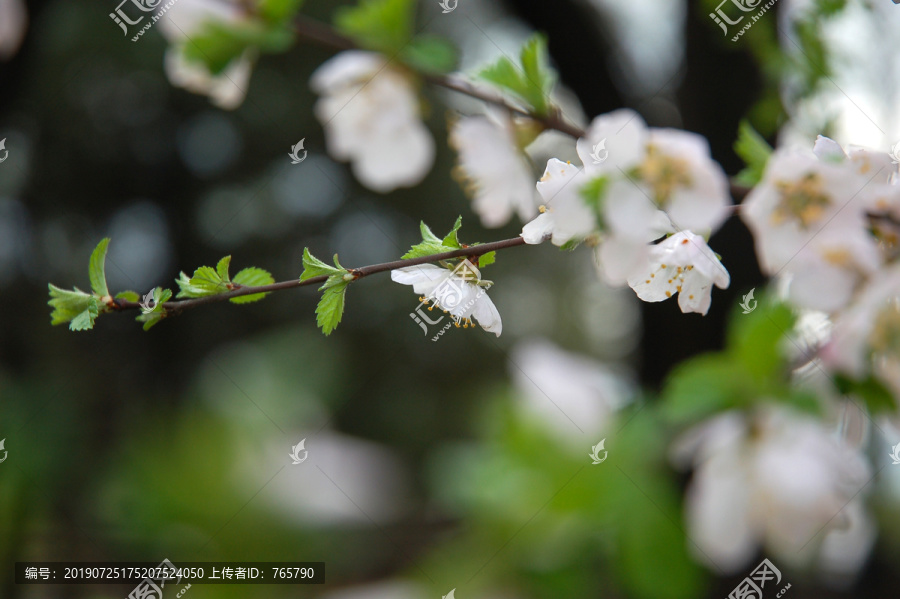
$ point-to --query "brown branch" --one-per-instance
(178, 306)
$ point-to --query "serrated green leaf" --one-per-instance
(382, 25)
(487, 259)
(313, 267)
(451, 239)
(330, 309)
(222, 268)
(432, 244)
(218, 44)
(251, 277)
(85, 320)
(128, 296)
(67, 304)
(430, 54)
(97, 269)
(755, 152)
(206, 281)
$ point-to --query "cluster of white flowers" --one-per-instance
(822, 223)
(652, 183)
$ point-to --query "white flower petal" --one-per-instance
(534, 232)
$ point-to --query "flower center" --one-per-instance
(801, 200)
(664, 173)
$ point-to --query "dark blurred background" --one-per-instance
(173, 443)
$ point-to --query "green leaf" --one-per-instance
(97, 269)
(703, 386)
(451, 239)
(160, 297)
(431, 244)
(85, 320)
(67, 304)
(755, 339)
(222, 268)
(382, 25)
(128, 296)
(431, 54)
(877, 397)
(532, 81)
(251, 277)
(279, 10)
(218, 44)
(487, 259)
(206, 281)
(313, 267)
(331, 307)
(755, 152)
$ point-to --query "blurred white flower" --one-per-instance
(460, 292)
(370, 112)
(809, 215)
(567, 392)
(13, 24)
(187, 18)
(866, 162)
(226, 90)
(497, 173)
(681, 264)
(565, 215)
(866, 336)
(340, 475)
(778, 479)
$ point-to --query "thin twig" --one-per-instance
(178, 306)
(325, 35)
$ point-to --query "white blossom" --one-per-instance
(13, 24)
(776, 478)
(809, 222)
(495, 170)
(866, 162)
(681, 264)
(647, 183)
(568, 393)
(866, 336)
(565, 214)
(186, 19)
(460, 292)
(371, 115)
(652, 170)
